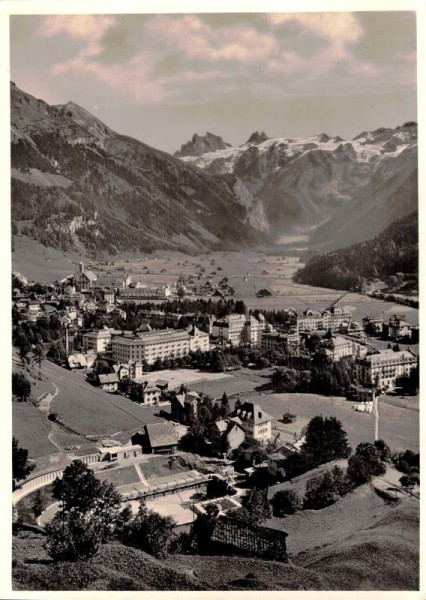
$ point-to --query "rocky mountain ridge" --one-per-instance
(78, 185)
(337, 191)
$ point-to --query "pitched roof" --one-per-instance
(108, 378)
(89, 274)
(251, 411)
(161, 434)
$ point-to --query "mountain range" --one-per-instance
(337, 191)
(78, 185)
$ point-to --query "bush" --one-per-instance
(383, 449)
(21, 386)
(73, 536)
(216, 488)
(321, 491)
(407, 462)
(150, 532)
(285, 502)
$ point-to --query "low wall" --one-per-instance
(39, 481)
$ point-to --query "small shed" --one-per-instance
(289, 417)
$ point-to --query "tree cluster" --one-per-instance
(395, 250)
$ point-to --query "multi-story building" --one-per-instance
(239, 329)
(98, 340)
(198, 340)
(255, 421)
(373, 324)
(398, 329)
(227, 435)
(332, 318)
(114, 281)
(384, 368)
(335, 317)
(141, 294)
(337, 348)
(274, 341)
(151, 345)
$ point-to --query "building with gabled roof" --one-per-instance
(108, 382)
(160, 438)
(227, 435)
(255, 421)
(84, 278)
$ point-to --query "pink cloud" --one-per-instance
(197, 40)
(83, 27)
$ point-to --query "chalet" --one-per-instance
(255, 421)
(81, 361)
(151, 393)
(184, 406)
(108, 382)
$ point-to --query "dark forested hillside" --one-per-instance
(395, 250)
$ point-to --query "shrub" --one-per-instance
(383, 449)
(321, 491)
(150, 532)
(285, 502)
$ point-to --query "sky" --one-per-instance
(162, 77)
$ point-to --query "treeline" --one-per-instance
(395, 250)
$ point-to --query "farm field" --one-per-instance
(247, 272)
(398, 426)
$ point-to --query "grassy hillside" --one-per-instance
(392, 251)
(381, 553)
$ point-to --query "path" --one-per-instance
(376, 418)
(141, 475)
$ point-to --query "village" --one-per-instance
(206, 378)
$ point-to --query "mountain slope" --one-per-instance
(340, 191)
(78, 185)
(392, 251)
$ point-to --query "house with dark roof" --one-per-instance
(277, 461)
(184, 406)
(160, 438)
(227, 435)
